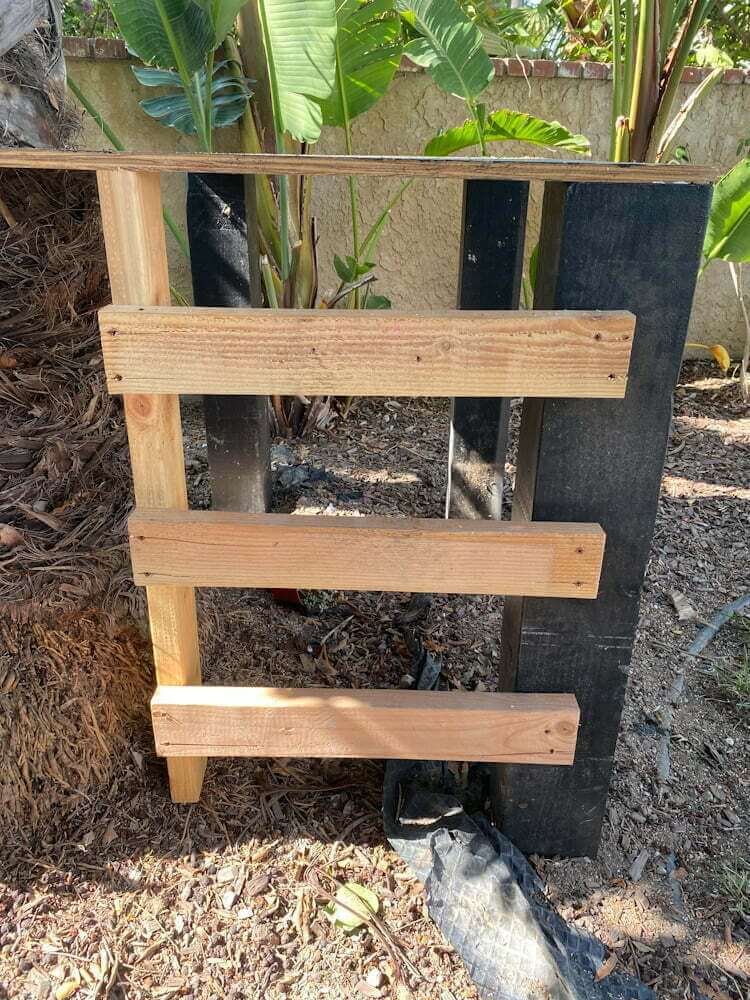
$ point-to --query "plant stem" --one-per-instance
(627, 89)
(687, 32)
(736, 271)
(285, 265)
(207, 121)
(119, 145)
(480, 128)
(182, 70)
(353, 203)
(617, 74)
(645, 39)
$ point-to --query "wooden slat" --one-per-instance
(137, 260)
(367, 352)
(222, 549)
(463, 167)
(324, 722)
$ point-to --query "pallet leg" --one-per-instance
(225, 272)
(137, 260)
(490, 270)
(600, 461)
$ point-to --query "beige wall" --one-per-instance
(419, 250)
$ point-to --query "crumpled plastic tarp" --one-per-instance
(488, 901)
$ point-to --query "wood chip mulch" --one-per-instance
(131, 896)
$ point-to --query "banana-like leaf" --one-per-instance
(368, 52)
(222, 14)
(173, 34)
(728, 232)
(450, 47)
(299, 39)
(508, 126)
(229, 96)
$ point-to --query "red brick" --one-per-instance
(694, 74)
(597, 71)
(110, 48)
(543, 68)
(500, 67)
(75, 48)
(734, 76)
(518, 67)
(570, 70)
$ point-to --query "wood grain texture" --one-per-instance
(408, 725)
(136, 256)
(366, 353)
(461, 167)
(221, 549)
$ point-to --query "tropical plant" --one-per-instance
(450, 46)
(312, 63)
(728, 239)
(651, 44)
(178, 39)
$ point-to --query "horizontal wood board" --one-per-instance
(366, 353)
(461, 167)
(324, 722)
(222, 549)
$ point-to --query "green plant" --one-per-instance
(449, 45)
(651, 44)
(734, 883)
(728, 238)
(177, 39)
(88, 19)
(367, 54)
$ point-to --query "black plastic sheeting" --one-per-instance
(483, 894)
(488, 901)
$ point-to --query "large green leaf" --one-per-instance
(299, 38)
(222, 14)
(450, 47)
(508, 126)
(173, 34)
(728, 233)
(368, 52)
(229, 97)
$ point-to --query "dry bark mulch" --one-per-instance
(129, 895)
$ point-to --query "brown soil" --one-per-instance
(149, 899)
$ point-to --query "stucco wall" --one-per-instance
(418, 252)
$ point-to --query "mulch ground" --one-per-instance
(132, 896)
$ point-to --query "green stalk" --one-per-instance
(208, 123)
(690, 28)
(285, 262)
(120, 146)
(617, 74)
(627, 89)
(377, 226)
(645, 39)
(472, 105)
(352, 181)
(91, 110)
(268, 282)
(182, 70)
(265, 201)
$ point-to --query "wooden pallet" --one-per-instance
(152, 353)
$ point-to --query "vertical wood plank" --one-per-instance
(490, 270)
(225, 271)
(131, 210)
(601, 461)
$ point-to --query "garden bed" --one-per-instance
(159, 900)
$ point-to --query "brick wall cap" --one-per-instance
(115, 48)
